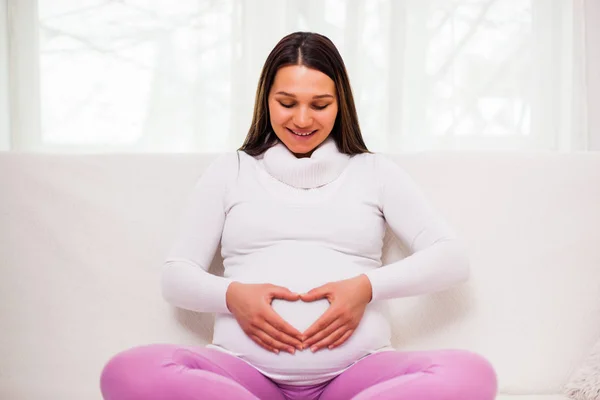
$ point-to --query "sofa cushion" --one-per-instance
(532, 397)
(82, 239)
(531, 223)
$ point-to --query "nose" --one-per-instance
(303, 117)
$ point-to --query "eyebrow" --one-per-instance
(321, 96)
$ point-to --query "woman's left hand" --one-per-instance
(348, 300)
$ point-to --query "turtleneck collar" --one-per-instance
(324, 165)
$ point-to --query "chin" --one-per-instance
(302, 149)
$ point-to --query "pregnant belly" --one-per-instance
(305, 367)
(301, 268)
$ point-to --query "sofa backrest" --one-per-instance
(83, 237)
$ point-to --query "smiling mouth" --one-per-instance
(303, 134)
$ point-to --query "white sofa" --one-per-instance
(82, 240)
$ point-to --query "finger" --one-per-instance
(323, 322)
(292, 343)
(280, 324)
(269, 341)
(283, 293)
(315, 294)
(317, 337)
(338, 333)
(263, 344)
(341, 340)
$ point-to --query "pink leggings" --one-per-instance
(170, 372)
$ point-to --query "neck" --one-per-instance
(306, 171)
(305, 155)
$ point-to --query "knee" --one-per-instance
(117, 374)
(127, 373)
(476, 372)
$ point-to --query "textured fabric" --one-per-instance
(584, 384)
(169, 372)
(82, 240)
(273, 232)
(323, 167)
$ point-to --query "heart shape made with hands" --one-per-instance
(300, 314)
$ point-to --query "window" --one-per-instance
(161, 76)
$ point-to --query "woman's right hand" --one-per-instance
(250, 304)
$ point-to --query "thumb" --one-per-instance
(279, 292)
(315, 294)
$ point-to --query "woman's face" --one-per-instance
(303, 107)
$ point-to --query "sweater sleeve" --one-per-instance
(186, 282)
(437, 260)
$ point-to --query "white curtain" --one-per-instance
(180, 76)
(592, 68)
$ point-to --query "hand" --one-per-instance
(348, 300)
(251, 306)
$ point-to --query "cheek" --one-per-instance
(278, 116)
(328, 118)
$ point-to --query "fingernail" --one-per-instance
(292, 350)
(313, 349)
(330, 347)
(276, 351)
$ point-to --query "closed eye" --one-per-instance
(290, 105)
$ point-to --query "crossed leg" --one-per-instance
(423, 375)
(168, 372)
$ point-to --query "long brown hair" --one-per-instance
(317, 52)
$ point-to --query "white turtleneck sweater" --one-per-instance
(300, 223)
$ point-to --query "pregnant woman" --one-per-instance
(300, 213)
